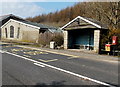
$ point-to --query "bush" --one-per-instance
(47, 37)
(58, 38)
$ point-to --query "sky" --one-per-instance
(31, 9)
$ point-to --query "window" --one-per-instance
(6, 32)
(11, 32)
(18, 32)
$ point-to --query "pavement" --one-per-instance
(23, 65)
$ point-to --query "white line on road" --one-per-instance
(65, 71)
(39, 64)
(1, 51)
(48, 60)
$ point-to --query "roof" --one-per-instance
(89, 23)
(5, 18)
(43, 26)
(97, 22)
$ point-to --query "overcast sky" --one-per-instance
(31, 9)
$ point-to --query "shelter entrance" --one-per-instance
(81, 39)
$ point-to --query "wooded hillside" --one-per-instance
(105, 12)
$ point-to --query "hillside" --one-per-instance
(105, 12)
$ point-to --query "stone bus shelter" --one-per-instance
(83, 33)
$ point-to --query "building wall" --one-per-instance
(27, 33)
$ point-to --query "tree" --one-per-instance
(107, 13)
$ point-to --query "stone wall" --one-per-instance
(96, 40)
(65, 39)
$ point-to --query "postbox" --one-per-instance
(107, 47)
(114, 40)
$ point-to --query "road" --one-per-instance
(23, 66)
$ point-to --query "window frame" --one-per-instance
(18, 32)
(6, 33)
(11, 31)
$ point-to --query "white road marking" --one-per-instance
(39, 65)
(62, 70)
(48, 60)
(72, 57)
(1, 51)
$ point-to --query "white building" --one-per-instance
(17, 29)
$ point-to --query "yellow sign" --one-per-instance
(107, 48)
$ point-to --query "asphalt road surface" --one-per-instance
(21, 66)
